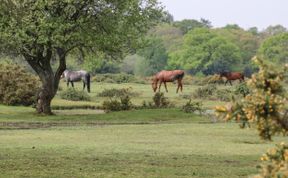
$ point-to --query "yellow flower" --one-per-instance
(221, 108)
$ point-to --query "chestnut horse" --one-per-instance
(232, 76)
(168, 76)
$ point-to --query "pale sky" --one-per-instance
(245, 13)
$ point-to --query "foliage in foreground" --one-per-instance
(17, 86)
(265, 106)
(265, 103)
(275, 162)
(74, 95)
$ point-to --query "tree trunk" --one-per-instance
(45, 97)
(50, 80)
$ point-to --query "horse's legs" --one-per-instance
(165, 87)
(72, 84)
(181, 85)
(178, 86)
(160, 86)
(67, 83)
(230, 82)
(226, 82)
(84, 84)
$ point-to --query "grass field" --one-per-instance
(139, 143)
(144, 90)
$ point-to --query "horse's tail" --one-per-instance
(88, 82)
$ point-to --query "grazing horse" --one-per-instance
(232, 76)
(168, 76)
(75, 76)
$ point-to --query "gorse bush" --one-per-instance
(210, 79)
(192, 107)
(17, 87)
(160, 101)
(274, 162)
(74, 95)
(211, 92)
(117, 92)
(204, 92)
(122, 103)
(242, 89)
(264, 105)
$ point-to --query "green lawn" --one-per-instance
(140, 143)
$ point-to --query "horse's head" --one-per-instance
(64, 73)
(223, 73)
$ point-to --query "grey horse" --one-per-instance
(76, 76)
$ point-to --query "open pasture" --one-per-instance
(144, 91)
(140, 143)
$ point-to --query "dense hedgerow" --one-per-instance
(17, 87)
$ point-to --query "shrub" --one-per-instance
(274, 162)
(265, 104)
(117, 92)
(74, 95)
(160, 100)
(223, 94)
(114, 104)
(17, 87)
(210, 79)
(213, 93)
(191, 107)
(242, 89)
(204, 92)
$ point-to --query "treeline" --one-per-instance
(198, 48)
(194, 46)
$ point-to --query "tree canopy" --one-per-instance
(275, 49)
(38, 29)
(205, 51)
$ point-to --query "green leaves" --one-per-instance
(205, 51)
(105, 25)
(264, 105)
(275, 49)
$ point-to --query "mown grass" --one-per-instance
(27, 114)
(161, 150)
(138, 143)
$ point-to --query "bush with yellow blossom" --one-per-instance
(275, 162)
(264, 105)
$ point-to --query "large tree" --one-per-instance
(154, 57)
(205, 51)
(275, 49)
(41, 29)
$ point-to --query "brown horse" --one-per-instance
(232, 76)
(168, 76)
